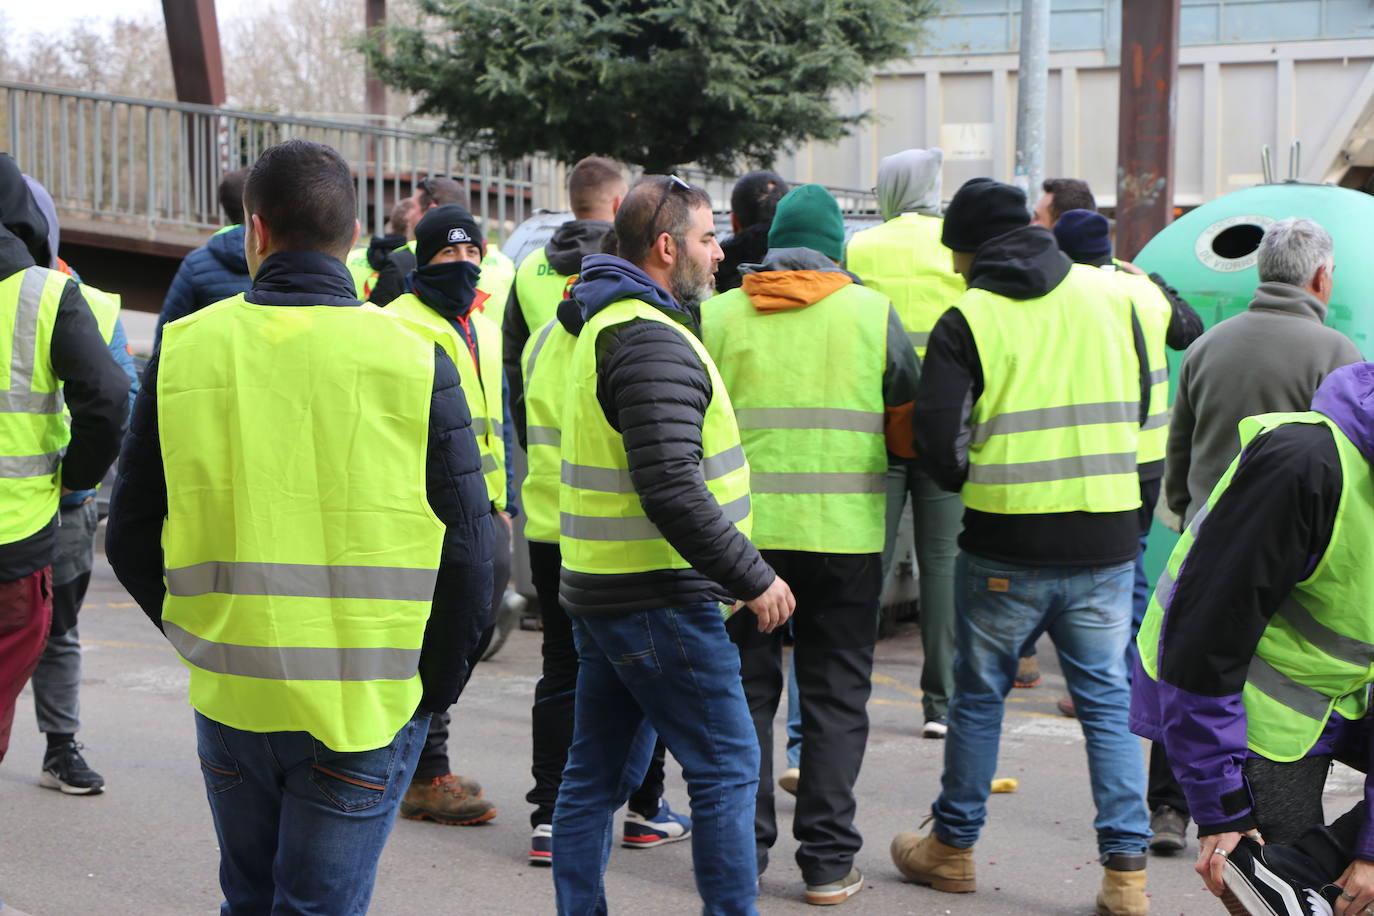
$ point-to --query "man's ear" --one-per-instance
(666, 248)
(261, 235)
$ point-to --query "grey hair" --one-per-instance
(1292, 250)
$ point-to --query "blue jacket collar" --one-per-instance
(303, 278)
(606, 279)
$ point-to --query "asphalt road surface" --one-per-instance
(146, 845)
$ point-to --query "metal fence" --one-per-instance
(144, 167)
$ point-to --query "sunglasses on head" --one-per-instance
(674, 184)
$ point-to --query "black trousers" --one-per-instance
(834, 627)
(552, 714)
(434, 755)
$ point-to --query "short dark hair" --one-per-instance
(304, 193)
(1068, 194)
(755, 197)
(590, 180)
(436, 191)
(399, 221)
(231, 194)
(656, 204)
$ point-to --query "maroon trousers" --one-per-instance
(25, 616)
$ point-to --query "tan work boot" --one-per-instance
(1123, 886)
(925, 860)
(444, 801)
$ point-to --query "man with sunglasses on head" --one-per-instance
(654, 522)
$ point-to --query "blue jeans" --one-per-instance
(1087, 612)
(794, 728)
(671, 672)
(300, 826)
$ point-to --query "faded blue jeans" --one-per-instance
(1087, 612)
(301, 826)
(670, 672)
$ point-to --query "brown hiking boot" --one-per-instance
(1027, 672)
(444, 801)
(1123, 886)
(925, 860)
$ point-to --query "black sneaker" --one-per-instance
(1274, 881)
(1170, 828)
(65, 769)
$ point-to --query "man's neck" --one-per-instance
(605, 216)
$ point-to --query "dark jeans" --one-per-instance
(1332, 848)
(434, 755)
(670, 671)
(25, 615)
(554, 695)
(300, 826)
(834, 628)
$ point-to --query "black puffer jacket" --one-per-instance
(95, 388)
(653, 390)
(453, 481)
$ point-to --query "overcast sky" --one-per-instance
(29, 16)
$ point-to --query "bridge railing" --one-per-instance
(146, 168)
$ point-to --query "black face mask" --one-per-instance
(447, 288)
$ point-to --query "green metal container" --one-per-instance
(1209, 256)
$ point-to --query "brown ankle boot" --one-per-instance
(925, 860)
(444, 801)
(1123, 886)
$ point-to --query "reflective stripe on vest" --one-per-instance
(300, 548)
(1316, 655)
(905, 260)
(605, 531)
(547, 358)
(539, 288)
(1153, 310)
(481, 387)
(807, 385)
(1057, 426)
(33, 433)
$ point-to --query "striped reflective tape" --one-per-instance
(637, 528)
(35, 402)
(1043, 418)
(19, 466)
(817, 483)
(1281, 688)
(1159, 375)
(293, 663)
(1345, 648)
(534, 354)
(300, 580)
(840, 418)
(23, 350)
(544, 435)
(918, 338)
(1155, 421)
(1054, 469)
(713, 467)
(488, 462)
(618, 480)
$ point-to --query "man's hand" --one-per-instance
(1357, 889)
(1212, 852)
(774, 606)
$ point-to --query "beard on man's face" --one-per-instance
(691, 283)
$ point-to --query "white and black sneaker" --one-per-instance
(65, 769)
(1274, 881)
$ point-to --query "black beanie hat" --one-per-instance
(1084, 235)
(983, 209)
(445, 226)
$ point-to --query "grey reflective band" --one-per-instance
(1155, 421)
(1281, 688)
(534, 354)
(918, 338)
(718, 465)
(1042, 418)
(1159, 375)
(1164, 588)
(544, 435)
(23, 349)
(488, 463)
(299, 580)
(37, 402)
(293, 663)
(1053, 469)
(858, 421)
(638, 528)
(12, 468)
(496, 427)
(836, 483)
(618, 480)
(1351, 651)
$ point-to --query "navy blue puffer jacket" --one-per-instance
(214, 271)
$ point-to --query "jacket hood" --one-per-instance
(909, 182)
(792, 278)
(227, 247)
(1024, 263)
(1285, 297)
(19, 212)
(43, 200)
(1347, 397)
(573, 241)
(570, 316)
(605, 278)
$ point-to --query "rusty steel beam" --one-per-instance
(193, 38)
(375, 18)
(1145, 136)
